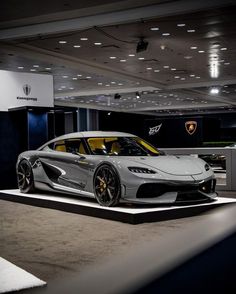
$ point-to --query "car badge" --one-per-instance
(27, 89)
(154, 130)
(191, 126)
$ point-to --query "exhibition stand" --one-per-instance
(127, 213)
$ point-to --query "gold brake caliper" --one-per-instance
(102, 185)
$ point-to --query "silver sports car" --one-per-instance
(114, 167)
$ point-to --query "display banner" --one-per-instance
(174, 132)
(25, 89)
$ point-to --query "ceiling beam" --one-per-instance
(213, 83)
(97, 92)
(68, 102)
(111, 18)
(178, 107)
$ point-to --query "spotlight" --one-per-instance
(117, 96)
(137, 95)
(109, 113)
(142, 45)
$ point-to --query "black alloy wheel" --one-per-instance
(25, 177)
(107, 187)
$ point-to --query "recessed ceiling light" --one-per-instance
(100, 84)
(20, 67)
(36, 65)
(123, 60)
(84, 39)
(173, 68)
(33, 69)
(223, 49)
(131, 55)
(97, 43)
(156, 70)
(193, 47)
(182, 79)
(198, 77)
(191, 31)
(214, 91)
(181, 25)
(62, 42)
(65, 77)
(120, 84)
(59, 89)
(188, 57)
(192, 76)
(166, 66)
(112, 57)
(71, 88)
(113, 82)
(48, 68)
(227, 63)
(74, 79)
(141, 58)
(154, 29)
(76, 46)
(88, 77)
(79, 75)
(177, 77)
(63, 87)
(149, 68)
(201, 51)
(166, 34)
(107, 85)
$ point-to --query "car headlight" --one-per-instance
(207, 167)
(141, 170)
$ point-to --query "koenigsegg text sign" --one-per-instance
(25, 89)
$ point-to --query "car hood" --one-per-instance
(174, 165)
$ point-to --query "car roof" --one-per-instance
(88, 134)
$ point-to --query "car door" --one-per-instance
(64, 165)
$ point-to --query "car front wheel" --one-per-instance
(107, 187)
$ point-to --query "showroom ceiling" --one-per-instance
(187, 67)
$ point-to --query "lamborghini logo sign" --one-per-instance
(191, 127)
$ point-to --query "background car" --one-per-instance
(114, 167)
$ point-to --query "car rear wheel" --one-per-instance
(25, 177)
(107, 188)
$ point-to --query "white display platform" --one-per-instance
(133, 214)
(13, 278)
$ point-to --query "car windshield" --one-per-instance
(121, 146)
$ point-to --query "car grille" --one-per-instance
(185, 192)
(191, 197)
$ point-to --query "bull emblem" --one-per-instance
(191, 127)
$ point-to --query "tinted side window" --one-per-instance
(75, 146)
(59, 146)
